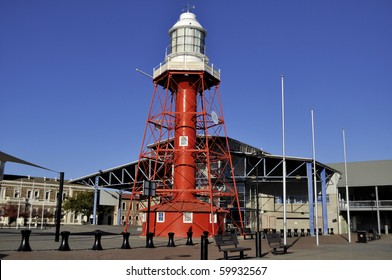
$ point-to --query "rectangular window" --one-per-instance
(47, 196)
(213, 218)
(183, 141)
(36, 194)
(123, 206)
(29, 194)
(187, 217)
(16, 194)
(160, 217)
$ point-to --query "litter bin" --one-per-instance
(362, 236)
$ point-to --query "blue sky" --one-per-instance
(72, 101)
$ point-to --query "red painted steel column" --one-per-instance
(185, 139)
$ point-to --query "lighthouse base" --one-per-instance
(183, 217)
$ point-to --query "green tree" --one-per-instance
(83, 203)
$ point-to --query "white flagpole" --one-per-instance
(315, 181)
(284, 168)
(347, 195)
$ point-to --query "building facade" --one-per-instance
(31, 201)
(369, 185)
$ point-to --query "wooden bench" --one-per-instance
(275, 242)
(228, 243)
(248, 232)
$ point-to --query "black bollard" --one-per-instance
(332, 233)
(189, 238)
(25, 245)
(150, 243)
(320, 231)
(171, 240)
(289, 233)
(258, 243)
(295, 232)
(281, 233)
(97, 242)
(205, 233)
(302, 232)
(125, 244)
(204, 248)
(64, 246)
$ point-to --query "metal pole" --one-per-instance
(284, 167)
(315, 181)
(31, 206)
(19, 195)
(58, 211)
(43, 204)
(378, 212)
(119, 207)
(257, 201)
(347, 194)
(148, 211)
(95, 200)
(258, 235)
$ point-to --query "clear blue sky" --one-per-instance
(72, 101)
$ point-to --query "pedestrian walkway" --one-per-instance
(82, 239)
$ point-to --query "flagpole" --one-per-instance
(284, 167)
(315, 180)
(347, 196)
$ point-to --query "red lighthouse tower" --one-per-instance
(185, 152)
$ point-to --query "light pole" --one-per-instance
(43, 204)
(19, 195)
(258, 233)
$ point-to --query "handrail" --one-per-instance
(372, 204)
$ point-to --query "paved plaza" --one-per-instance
(82, 240)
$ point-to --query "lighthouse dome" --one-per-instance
(187, 19)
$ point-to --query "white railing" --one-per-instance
(186, 65)
(366, 204)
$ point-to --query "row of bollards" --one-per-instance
(64, 246)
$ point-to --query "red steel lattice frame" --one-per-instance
(214, 181)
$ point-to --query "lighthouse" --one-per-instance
(185, 171)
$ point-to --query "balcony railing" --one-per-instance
(366, 204)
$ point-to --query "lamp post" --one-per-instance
(19, 192)
(43, 204)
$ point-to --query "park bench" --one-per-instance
(248, 232)
(374, 235)
(275, 243)
(228, 243)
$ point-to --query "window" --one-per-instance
(29, 194)
(213, 218)
(187, 217)
(160, 217)
(36, 194)
(183, 141)
(16, 194)
(123, 206)
(47, 196)
(298, 199)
